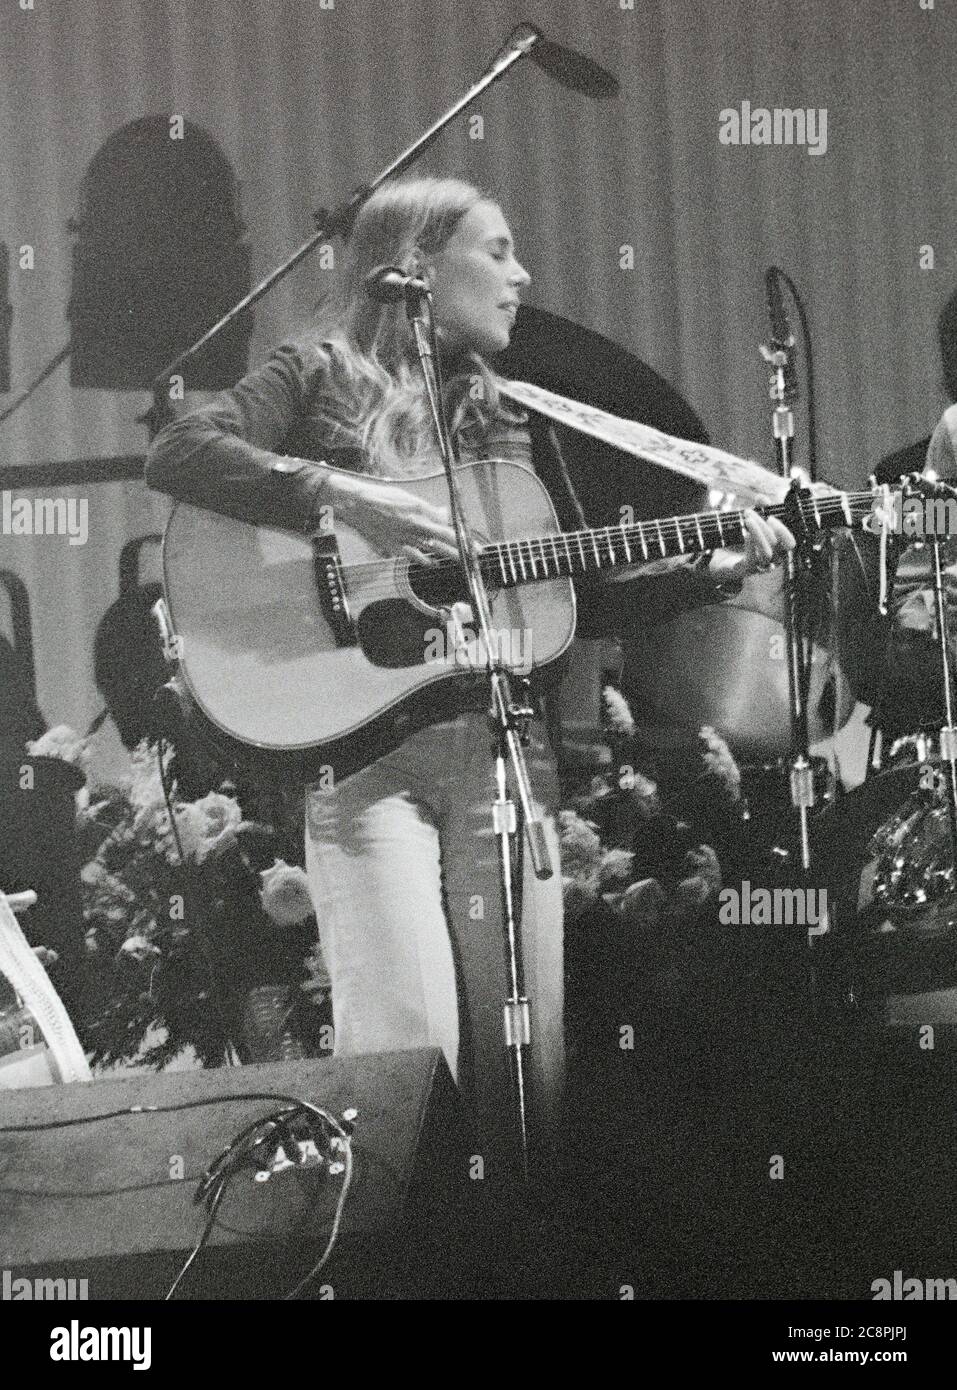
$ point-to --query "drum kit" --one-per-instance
(883, 850)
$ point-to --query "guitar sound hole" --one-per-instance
(441, 586)
(394, 634)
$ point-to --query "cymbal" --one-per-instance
(562, 356)
(559, 355)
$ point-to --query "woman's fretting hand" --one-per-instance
(768, 541)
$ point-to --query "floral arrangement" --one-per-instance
(647, 857)
(186, 915)
(645, 844)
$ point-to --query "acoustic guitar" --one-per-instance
(322, 651)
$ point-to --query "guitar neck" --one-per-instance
(584, 552)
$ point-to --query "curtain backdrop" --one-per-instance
(308, 101)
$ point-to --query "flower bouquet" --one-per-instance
(642, 854)
(186, 914)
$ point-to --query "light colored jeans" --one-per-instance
(403, 871)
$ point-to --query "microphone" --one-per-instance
(574, 70)
(571, 69)
(387, 284)
(782, 338)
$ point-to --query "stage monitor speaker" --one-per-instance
(112, 1201)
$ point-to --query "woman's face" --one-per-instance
(475, 282)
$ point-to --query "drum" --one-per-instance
(725, 664)
(884, 855)
(906, 689)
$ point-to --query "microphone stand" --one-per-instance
(796, 1021)
(509, 722)
(508, 717)
(783, 392)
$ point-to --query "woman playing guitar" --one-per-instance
(400, 854)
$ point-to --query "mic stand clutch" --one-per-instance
(509, 722)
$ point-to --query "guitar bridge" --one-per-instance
(332, 591)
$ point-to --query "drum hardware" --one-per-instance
(884, 853)
(769, 824)
(913, 572)
(888, 854)
(920, 745)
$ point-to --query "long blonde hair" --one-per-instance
(369, 394)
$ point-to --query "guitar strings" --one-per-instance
(492, 558)
(500, 553)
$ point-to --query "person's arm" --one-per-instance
(223, 455)
(942, 451)
(642, 598)
(620, 600)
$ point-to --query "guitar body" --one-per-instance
(313, 652)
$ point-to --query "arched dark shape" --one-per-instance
(561, 356)
(20, 716)
(158, 256)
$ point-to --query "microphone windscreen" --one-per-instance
(574, 70)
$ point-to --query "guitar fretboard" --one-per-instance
(581, 552)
